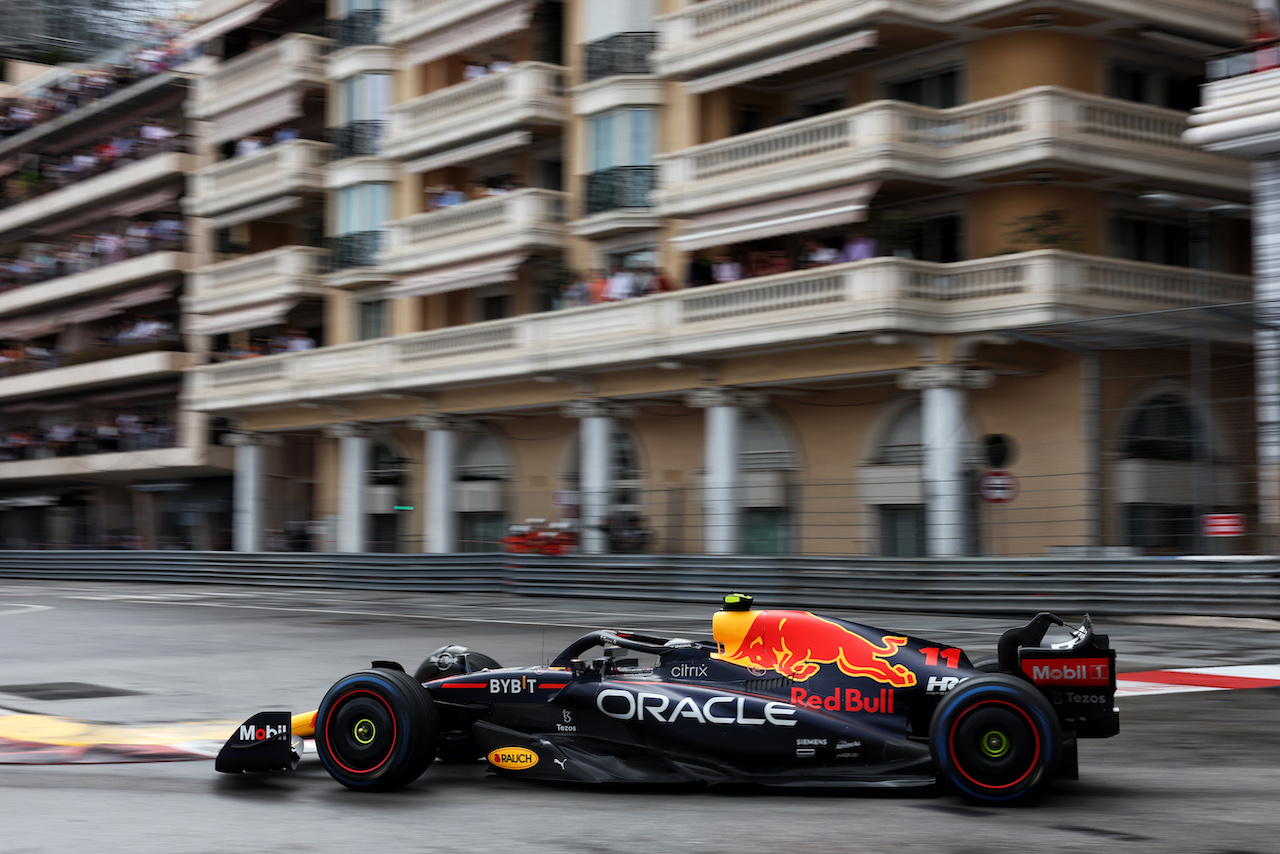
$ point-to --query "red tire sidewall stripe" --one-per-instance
(329, 747)
(951, 743)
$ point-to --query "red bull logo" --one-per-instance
(796, 644)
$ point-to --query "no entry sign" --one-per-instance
(1223, 524)
(998, 487)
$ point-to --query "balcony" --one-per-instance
(96, 374)
(277, 171)
(1036, 127)
(619, 200)
(1237, 115)
(523, 221)
(282, 69)
(411, 19)
(123, 466)
(355, 250)
(789, 309)
(358, 139)
(289, 272)
(360, 27)
(529, 95)
(116, 186)
(134, 271)
(721, 33)
(621, 53)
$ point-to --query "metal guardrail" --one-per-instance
(1140, 586)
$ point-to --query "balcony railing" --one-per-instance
(294, 166)
(287, 61)
(287, 271)
(531, 92)
(363, 26)
(621, 53)
(355, 250)
(358, 139)
(716, 33)
(1015, 130)
(515, 220)
(621, 187)
(883, 293)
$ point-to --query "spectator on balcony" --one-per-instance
(448, 197)
(726, 269)
(473, 70)
(285, 133)
(817, 254)
(295, 341)
(500, 63)
(660, 283)
(576, 292)
(129, 430)
(701, 271)
(1263, 33)
(757, 264)
(137, 237)
(109, 247)
(106, 436)
(597, 285)
(155, 135)
(622, 285)
(62, 438)
(858, 247)
(168, 233)
(778, 261)
(248, 145)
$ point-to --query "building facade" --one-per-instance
(726, 277)
(95, 450)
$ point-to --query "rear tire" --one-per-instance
(995, 739)
(376, 730)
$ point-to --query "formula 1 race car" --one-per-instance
(779, 697)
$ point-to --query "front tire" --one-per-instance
(376, 730)
(995, 739)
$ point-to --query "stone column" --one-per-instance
(440, 451)
(944, 406)
(250, 454)
(722, 445)
(353, 462)
(594, 478)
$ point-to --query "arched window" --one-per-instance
(903, 441)
(624, 468)
(1163, 428)
(480, 475)
(1164, 453)
(764, 458)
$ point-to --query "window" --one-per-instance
(1163, 527)
(365, 97)
(824, 104)
(939, 89)
(1163, 428)
(1161, 87)
(622, 138)
(606, 17)
(903, 443)
(373, 319)
(939, 239)
(363, 207)
(1153, 241)
(902, 532)
(495, 307)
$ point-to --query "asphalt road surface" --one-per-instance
(1190, 772)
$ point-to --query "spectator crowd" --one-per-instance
(40, 262)
(106, 432)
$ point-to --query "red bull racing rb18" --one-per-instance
(777, 697)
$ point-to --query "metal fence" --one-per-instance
(1227, 588)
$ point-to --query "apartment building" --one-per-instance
(94, 449)
(725, 277)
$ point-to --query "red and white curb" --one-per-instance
(1185, 679)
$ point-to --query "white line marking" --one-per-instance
(15, 608)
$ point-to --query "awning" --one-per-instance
(469, 153)
(492, 271)
(254, 317)
(791, 215)
(118, 303)
(509, 18)
(46, 323)
(224, 24)
(150, 202)
(785, 62)
(262, 211)
(254, 116)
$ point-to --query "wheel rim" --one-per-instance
(995, 745)
(360, 731)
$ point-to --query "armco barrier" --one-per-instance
(1234, 588)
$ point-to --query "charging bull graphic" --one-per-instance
(796, 643)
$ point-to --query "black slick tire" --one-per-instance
(376, 730)
(995, 739)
